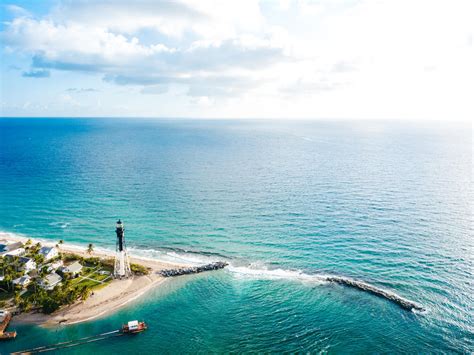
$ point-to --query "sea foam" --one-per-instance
(253, 270)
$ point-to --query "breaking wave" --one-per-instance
(61, 225)
(256, 270)
(322, 278)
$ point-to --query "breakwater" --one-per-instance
(402, 302)
(193, 270)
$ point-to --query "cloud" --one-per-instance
(169, 17)
(81, 90)
(343, 67)
(17, 11)
(257, 52)
(198, 85)
(36, 73)
(125, 60)
(201, 19)
(155, 89)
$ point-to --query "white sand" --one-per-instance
(105, 300)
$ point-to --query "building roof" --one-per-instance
(52, 279)
(16, 251)
(46, 250)
(74, 267)
(22, 259)
(22, 280)
(10, 246)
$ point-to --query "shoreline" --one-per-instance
(103, 301)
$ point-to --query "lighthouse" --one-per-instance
(122, 263)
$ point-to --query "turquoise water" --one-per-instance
(284, 202)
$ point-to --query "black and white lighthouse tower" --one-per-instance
(122, 263)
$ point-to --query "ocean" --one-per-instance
(284, 202)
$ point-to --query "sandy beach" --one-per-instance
(105, 300)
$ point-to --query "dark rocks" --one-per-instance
(193, 270)
(402, 302)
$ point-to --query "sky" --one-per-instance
(314, 59)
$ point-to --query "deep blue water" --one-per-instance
(389, 203)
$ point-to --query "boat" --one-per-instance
(8, 335)
(133, 327)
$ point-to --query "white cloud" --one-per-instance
(303, 57)
(17, 11)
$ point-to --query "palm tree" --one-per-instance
(17, 298)
(90, 249)
(16, 262)
(61, 242)
(8, 279)
(38, 258)
(85, 293)
(35, 286)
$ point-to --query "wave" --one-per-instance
(194, 252)
(265, 273)
(254, 270)
(322, 279)
(62, 225)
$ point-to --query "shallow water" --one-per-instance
(283, 202)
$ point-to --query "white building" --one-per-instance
(50, 281)
(54, 266)
(26, 264)
(16, 252)
(49, 252)
(73, 268)
(8, 247)
(22, 281)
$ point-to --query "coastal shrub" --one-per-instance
(92, 261)
(50, 304)
(108, 262)
(70, 257)
(139, 269)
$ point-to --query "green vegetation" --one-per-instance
(95, 274)
(5, 295)
(139, 269)
(10, 270)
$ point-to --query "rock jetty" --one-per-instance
(193, 270)
(402, 302)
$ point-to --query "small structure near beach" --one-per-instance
(50, 281)
(22, 281)
(49, 252)
(73, 269)
(25, 264)
(9, 248)
(55, 265)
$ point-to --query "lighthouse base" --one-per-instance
(122, 265)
